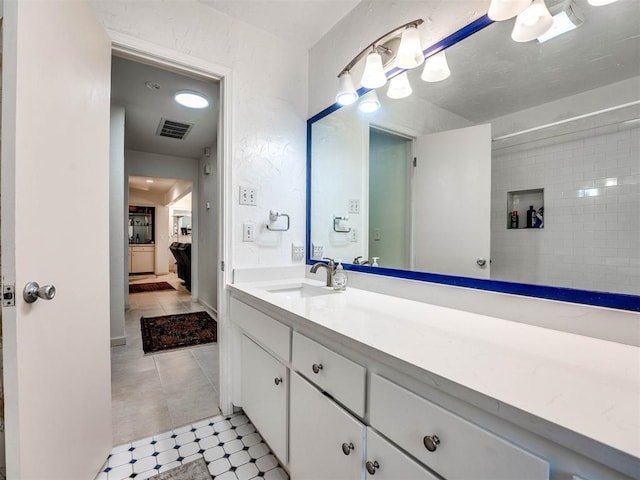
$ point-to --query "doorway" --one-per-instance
(168, 155)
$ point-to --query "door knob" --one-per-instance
(32, 291)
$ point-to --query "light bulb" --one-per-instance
(399, 86)
(373, 75)
(533, 22)
(505, 9)
(436, 68)
(410, 53)
(369, 102)
(346, 91)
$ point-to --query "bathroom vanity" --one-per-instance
(356, 383)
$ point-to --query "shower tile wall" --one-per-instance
(591, 235)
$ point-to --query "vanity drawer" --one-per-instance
(464, 450)
(268, 332)
(338, 376)
(148, 248)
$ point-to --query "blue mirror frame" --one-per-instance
(586, 297)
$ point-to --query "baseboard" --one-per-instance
(209, 307)
(116, 341)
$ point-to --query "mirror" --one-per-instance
(548, 130)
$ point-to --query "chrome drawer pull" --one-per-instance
(316, 367)
(277, 380)
(431, 442)
(347, 447)
(372, 467)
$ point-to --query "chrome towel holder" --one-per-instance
(273, 216)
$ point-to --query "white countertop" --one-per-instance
(587, 385)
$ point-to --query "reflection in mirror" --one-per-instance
(431, 183)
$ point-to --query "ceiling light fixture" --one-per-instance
(563, 22)
(400, 48)
(191, 99)
(436, 68)
(532, 23)
(149, 180)
(600, 3)
(399, 86)
(505, 9)
(369, 102)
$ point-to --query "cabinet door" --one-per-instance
(325, 441)
(264, 395)
(384, 461)
(141, 262)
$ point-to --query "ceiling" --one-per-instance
(491, 75)
(301, 22)
(145, 108)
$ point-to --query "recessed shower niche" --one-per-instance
(525, 209)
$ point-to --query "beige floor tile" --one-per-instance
(157, 392)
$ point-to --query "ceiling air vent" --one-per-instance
(173, 129)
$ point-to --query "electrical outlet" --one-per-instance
(248, 196)
(376, 235)
(354, 205)
(353, 234)
(248, 232)
(297, 252)
(317, 251)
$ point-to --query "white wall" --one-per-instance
(208, 232)
(118, 257)
(269, 108)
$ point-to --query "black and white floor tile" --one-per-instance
(230, 446)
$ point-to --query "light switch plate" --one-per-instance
(354, 205)
(317, 251)
(248, 232)
(248, 196)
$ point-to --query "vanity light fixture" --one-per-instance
(373, 75)
(410, 50)
(369, 102)
(535, 21)
(191, 99)
(399, 86)
(563, 22)
(400, 48)
(148, 180)
(436, 68)
(505, 9)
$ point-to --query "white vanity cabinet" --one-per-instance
(326, 442)
(450, 445)
(265, 349)
(265, 395)
(385, 461)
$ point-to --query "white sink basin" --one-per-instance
(299, 290)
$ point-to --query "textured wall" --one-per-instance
(269, 97)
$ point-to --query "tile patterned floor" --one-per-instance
(230, 446)
(158, 392)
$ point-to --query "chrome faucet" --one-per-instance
(330, 266)
(357, 261)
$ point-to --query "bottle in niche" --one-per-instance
(339, 280)
(514, 219)
(531, 217)
(137, 238)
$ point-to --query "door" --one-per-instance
(325, 442)
(55, 176)
(264, 395)
(452, 202)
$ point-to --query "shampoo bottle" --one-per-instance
(339, 280)
(531, 217)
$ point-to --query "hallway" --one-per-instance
(160, 391)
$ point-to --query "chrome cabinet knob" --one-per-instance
(431, 442)
(481, 262)
(316, 367)
(372, 467)
(32, 292)
(277, 380)
(347, 447)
